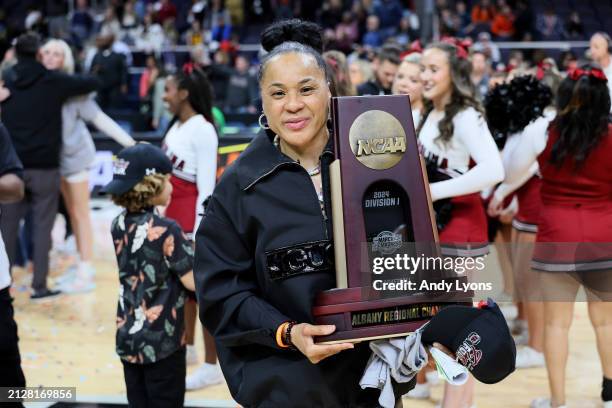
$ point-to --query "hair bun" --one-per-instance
(303, 32)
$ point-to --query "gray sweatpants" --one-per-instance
(42, 188)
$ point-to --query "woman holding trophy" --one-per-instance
(254, 297)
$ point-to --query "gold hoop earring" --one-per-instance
(263, 125)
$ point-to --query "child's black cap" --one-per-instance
(133, 164)
(479, 337)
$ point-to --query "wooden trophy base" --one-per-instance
(358, 320)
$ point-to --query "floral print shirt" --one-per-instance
(152, 254)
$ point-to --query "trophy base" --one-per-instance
(359, 320)
(361, 339)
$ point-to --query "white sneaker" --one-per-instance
(69, 246)
(88, 269)
(526, 357)
(420, 391)
(207, 374)
(82, 280)
(80, 284)
(607, 404)
(544, 403)
(68, 275)
(192, 355)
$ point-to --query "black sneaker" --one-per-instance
(44, 295)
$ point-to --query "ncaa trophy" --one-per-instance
(381, 207)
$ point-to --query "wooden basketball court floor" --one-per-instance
(70, 342)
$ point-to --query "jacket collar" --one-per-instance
(261, 159)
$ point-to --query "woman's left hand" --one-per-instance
(302, 337)
(495, 206)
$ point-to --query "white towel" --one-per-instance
(397, 358)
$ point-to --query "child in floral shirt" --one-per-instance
(155, 262)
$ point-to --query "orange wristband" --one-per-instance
(279, 335)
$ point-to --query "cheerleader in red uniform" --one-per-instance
(526, 183)
(575, 221)
(191, 143)
(577, 209)
(454, 137)
(528, 121)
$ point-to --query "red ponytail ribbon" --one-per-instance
(415, 46)
(188, 68)
(542, 67)
(462, 46)
(577, 73)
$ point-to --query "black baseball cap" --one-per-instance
(133, 164)
(479, 337)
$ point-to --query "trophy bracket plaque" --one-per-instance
(380, 207)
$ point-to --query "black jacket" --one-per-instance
(111, 69)
(372, 88)
(266, 202)
(33, 112)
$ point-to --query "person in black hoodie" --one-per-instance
(385, 66)
(110, 67)
(32, 115)
(272, 203)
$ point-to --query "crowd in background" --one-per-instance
(132, 44)
(152, 25)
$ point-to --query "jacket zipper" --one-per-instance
(322, 205)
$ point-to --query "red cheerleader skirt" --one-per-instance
(574, 238)
(526, 220)
(182, 207)
(466, 232)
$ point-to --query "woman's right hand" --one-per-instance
(302, 337)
